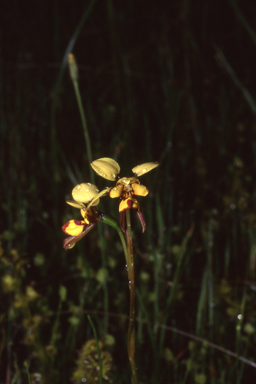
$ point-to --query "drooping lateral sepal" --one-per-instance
(142, 220)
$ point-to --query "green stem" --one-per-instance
(131, 277)
(97, 346)
(113, 223)
(84, 125)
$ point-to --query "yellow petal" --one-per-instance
(139, 190)
(75, 204)
(85, 192)
(144, 168)
(106, 167)
(73, 227)
(102, 193)
(116, 191)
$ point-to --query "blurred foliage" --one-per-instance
(88, 364)
(169, 82)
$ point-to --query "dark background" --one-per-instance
(160, 81)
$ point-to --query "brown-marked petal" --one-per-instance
(139, 190)
(73, 227)
(125, 204)
(102, 193)
(71, 241)
(85, 192)
(75, 204)
(144, 168)
(106, 167)
(116, 191)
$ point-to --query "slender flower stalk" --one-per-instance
(131, 277)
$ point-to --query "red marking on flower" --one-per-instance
(65, 226)
(79, 222)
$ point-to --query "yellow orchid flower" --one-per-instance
(126, 187)
(82, 193)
